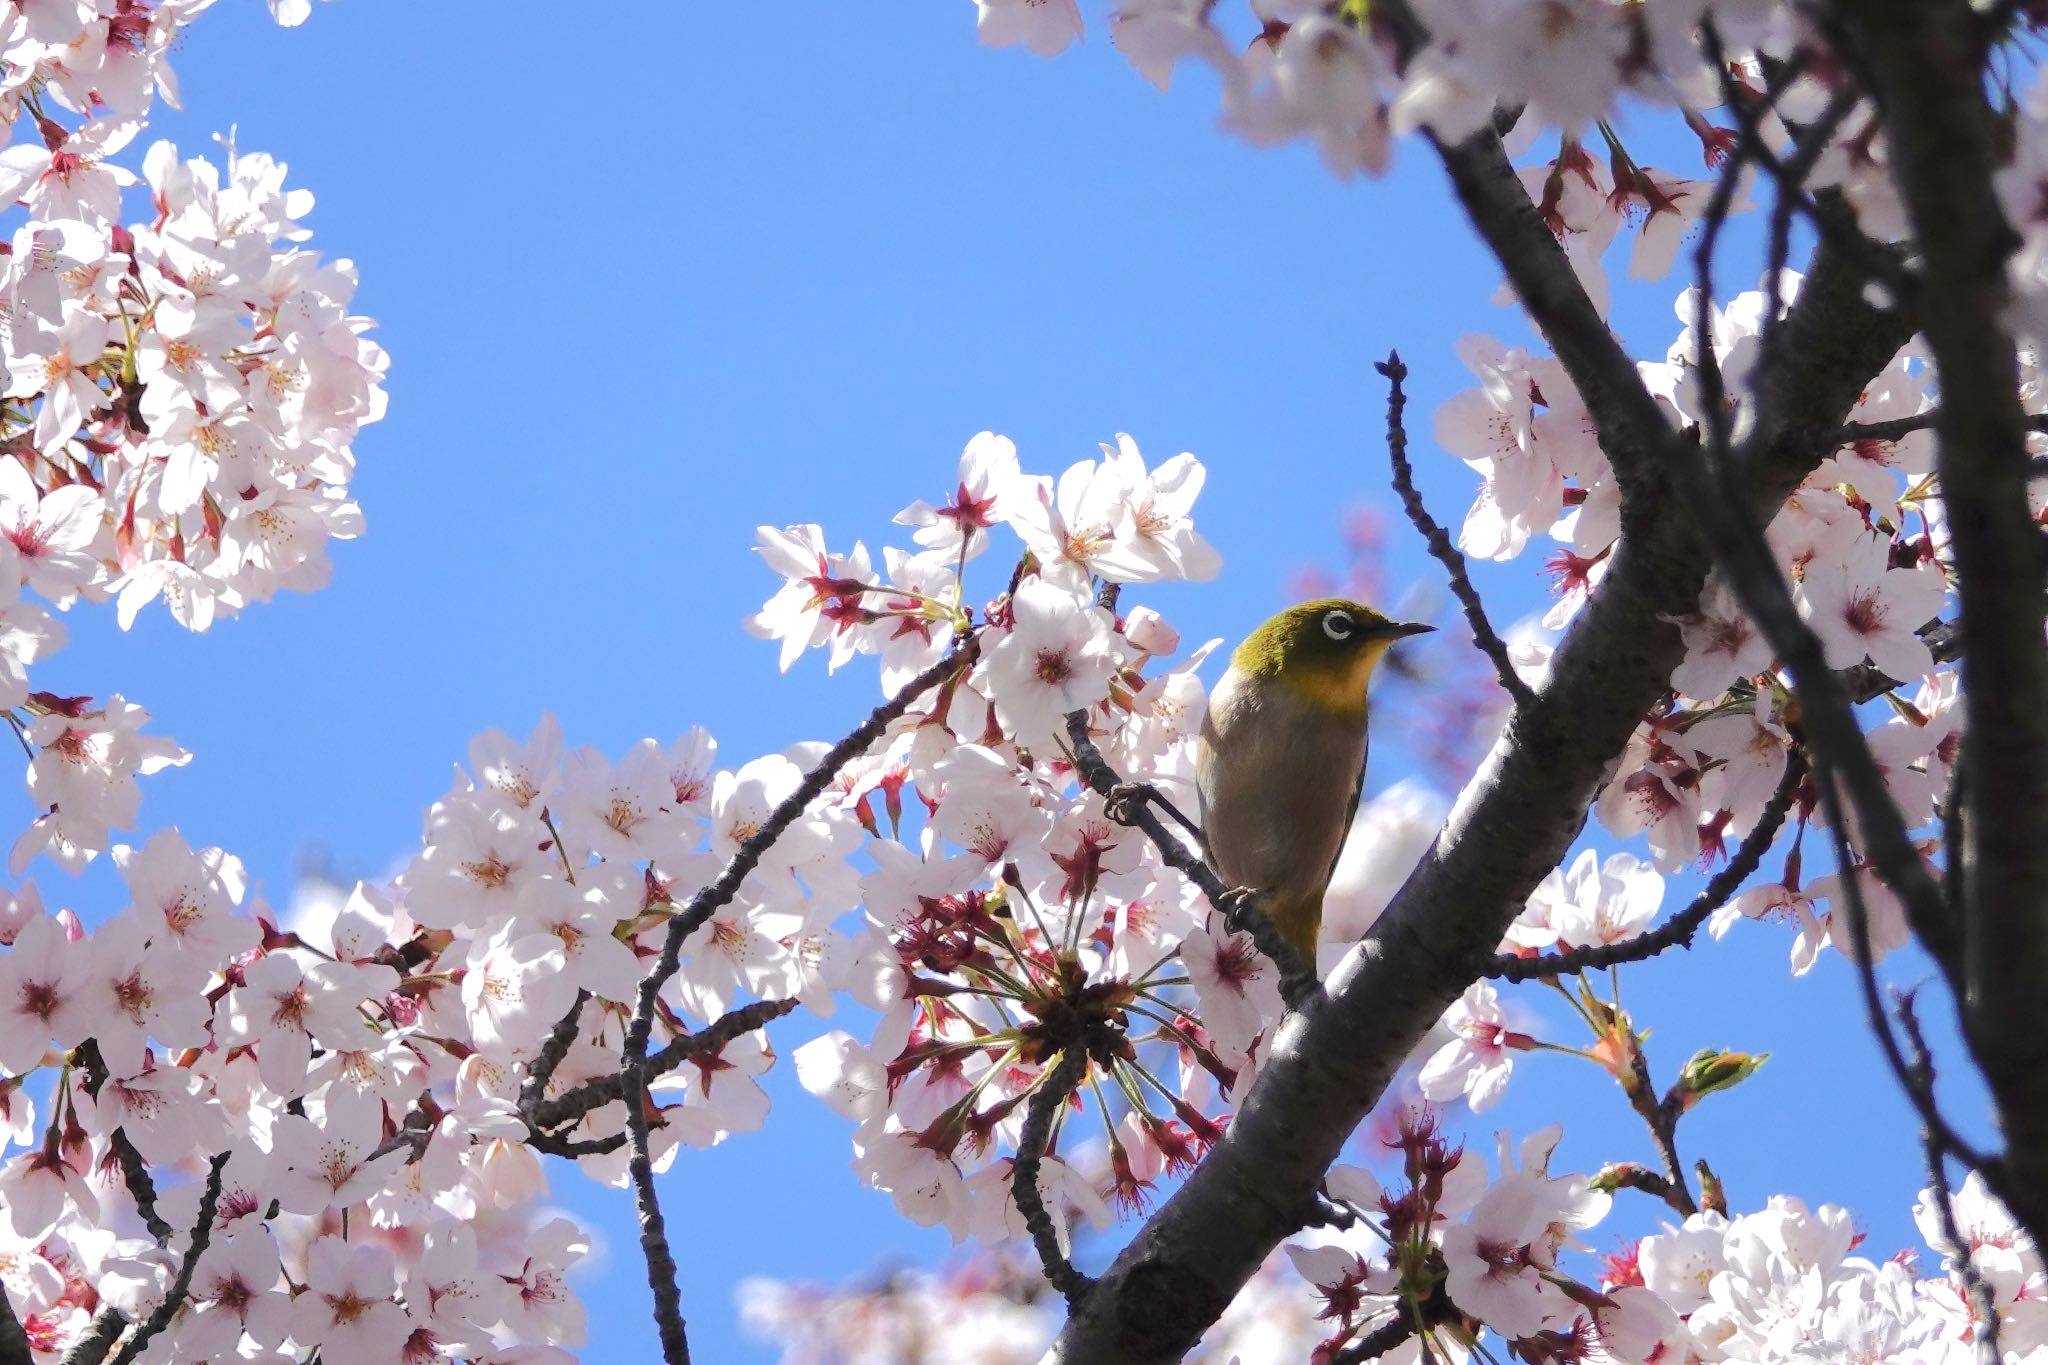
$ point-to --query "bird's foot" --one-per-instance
(1126, 799)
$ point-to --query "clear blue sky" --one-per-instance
(651, 275)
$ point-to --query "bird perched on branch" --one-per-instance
(1281, 760)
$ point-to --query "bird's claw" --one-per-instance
(1126, 799)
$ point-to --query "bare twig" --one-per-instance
(714, 896)
(1661, 1118)
(1921, 1061)
(1919, 1095)
(1298, 983)
(1677, 931)
(202, 1233)
(633, 1069)
(1439, 541)
(1849, 433)
(601, 1090)
(1052, 1092)
(411, 1137)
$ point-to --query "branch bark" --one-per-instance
(1942, 135)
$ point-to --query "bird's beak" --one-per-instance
(1399, 630)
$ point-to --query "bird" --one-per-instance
(1280, 759)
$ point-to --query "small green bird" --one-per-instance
(1281, 759)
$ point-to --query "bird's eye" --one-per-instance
(1338, 625)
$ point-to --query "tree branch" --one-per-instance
(1921, 1063)
(661, 1262)
(598, 1091)
(1945, 149)
(1677, 931)
(1390, 1334)
(1627, 1175)
(14, 1346)
(1439, 540)
(1060, 1272)
(202, 1233)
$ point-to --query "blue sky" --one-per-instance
(651, 275)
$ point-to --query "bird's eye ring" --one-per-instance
(1338, 625)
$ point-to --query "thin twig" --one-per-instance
(1678, 931)
(1052, 1092)
(1849, 433)
(1439, 541)
(1661, 1118)
(714, 896)
(1864, 957)
(1298, 982)
(1921, 1060)
(411, 1137)
(712, 1038)
(632, 1075)
(202, 1233)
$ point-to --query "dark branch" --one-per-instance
(1376, 1343)
(135, 1174)
(1960, 1258)
(202, 1233)
(14, 1347)
(712, 1038)
(1052, 1092)
(1947, 145)
(1131, 806)
(99, 1337)
(1439, 540)
(1627, 1175)
(1677, 931)
(661, 1262)
(715, 896)
(1849, 433)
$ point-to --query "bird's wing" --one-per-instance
(1350, 814)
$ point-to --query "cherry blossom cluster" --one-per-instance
(1784, 1284)
(991, 1309)
(183, 387)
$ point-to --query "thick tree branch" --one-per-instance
(1677, 931)
(1439, 540)
(1331, 1062)
(1944, 143)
